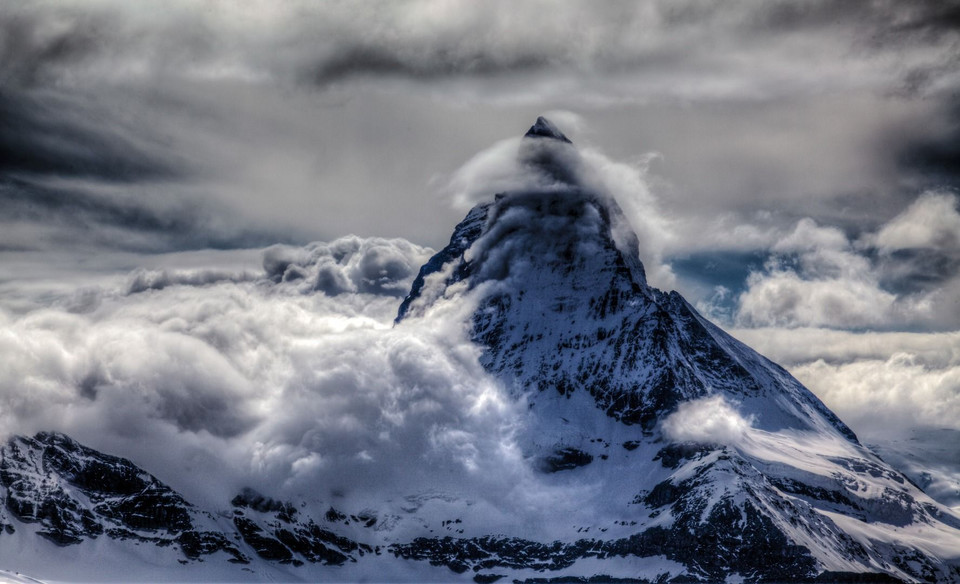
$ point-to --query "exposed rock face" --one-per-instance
(276, 532)
(76, 493)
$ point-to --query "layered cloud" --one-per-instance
(888, 398)
(331, 42)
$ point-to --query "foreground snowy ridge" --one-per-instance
(672, 452)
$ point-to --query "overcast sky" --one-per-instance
(792, 168)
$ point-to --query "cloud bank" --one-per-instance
(272, 382)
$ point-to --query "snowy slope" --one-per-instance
(928, 456)
(563, 309)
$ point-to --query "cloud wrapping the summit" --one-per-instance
(521, 165)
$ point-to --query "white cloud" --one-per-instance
(881, 399)
(709, 420)
(808, 236)
(931, 222)
(494, 170)
(628, 184)
(816, 277)
(785, 298)
(882, 384)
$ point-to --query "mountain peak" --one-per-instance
(544, 128)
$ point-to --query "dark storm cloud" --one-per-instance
(124, 218)
(209, 97)
(678, 39)
(88, 170)
(33, 45)
(933, 159)
(930, 18)
(81, 167)
(909, 271)
(49, 134)
(926, 20)
(431, 39)
(375, 60)
(67, 160)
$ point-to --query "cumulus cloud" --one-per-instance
(709, 420)
(782, 297)
(897, 284)
(348, 264)
(931, 222)
(816, 279)
(901, 276)
(891, 375)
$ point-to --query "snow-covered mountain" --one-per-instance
(678, 453)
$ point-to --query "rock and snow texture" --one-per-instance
(650, 445)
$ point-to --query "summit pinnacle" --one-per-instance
(544, 128)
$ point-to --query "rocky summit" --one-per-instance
(679, 454)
